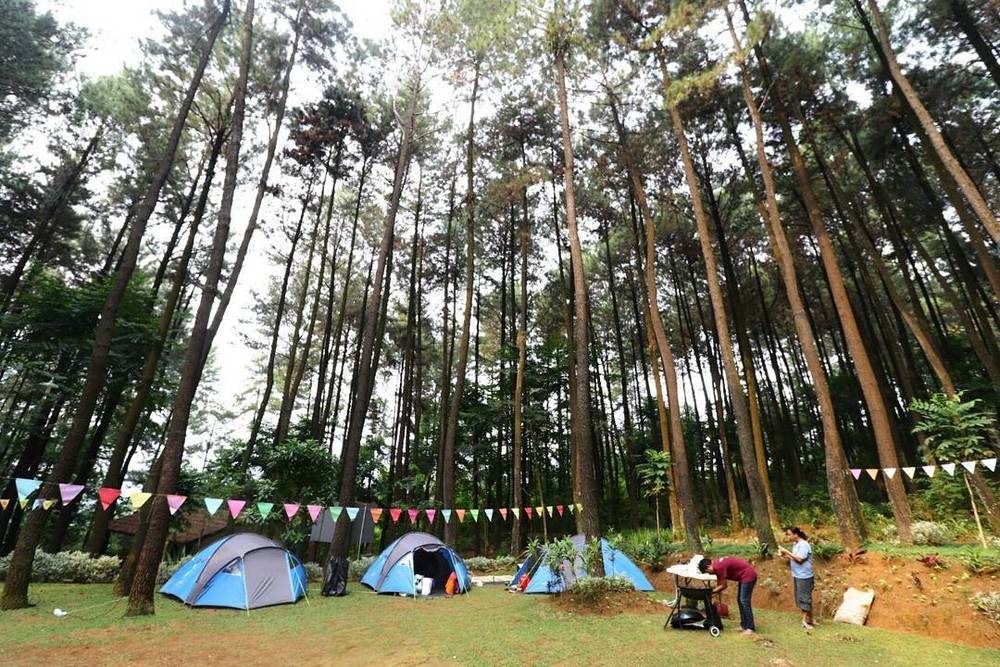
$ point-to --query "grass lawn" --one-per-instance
(489, 626)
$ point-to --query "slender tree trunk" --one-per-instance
(522, 358)
(15, 595)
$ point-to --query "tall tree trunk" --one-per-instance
(144, 581)
(15, 595)
(522, 359)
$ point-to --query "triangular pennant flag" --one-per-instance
(528, 511)
(265, 510)
(579, 507)
(430, 514)
(213, 505)
(25, 487)
(948, 468)
(872, 472)
(489, 514)
(335, 512)
(856, 472)
(35, 505)
(376, 513)
(108, 496)
(539, 511)
(969, 465)
(314, 511)
(475, 514)
(889, 472)
(413, 514)
(138, 498)
(235, 507)
(516, 511)
(23, 503)
(930, 470)
(395, 513)
(174, 503)
(461, 515)
(550, 510)
(572, 509)
(990, 463)
(4, 502)
(352, 512)
(69, 492)
(910, 471)
(291, 509)
(560, 508)
(48, 503)
(446, 515)
(503, 513)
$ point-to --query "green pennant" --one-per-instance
(572, 509)
(475, 514)
(264, 509)
(335, 511)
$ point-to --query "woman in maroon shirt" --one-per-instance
(735, 569)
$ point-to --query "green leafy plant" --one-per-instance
(826, 551)
(987, 604)
(654, 477)
(954, 429)
(594, 589)
(980, 561)
(69, 567)
(931, 533)
(558, 551)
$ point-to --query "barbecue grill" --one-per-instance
(693, 588)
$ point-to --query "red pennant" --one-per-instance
(413, 514)
(108, 496)
(560, 508)
(528, 511)
(503, 513)
(376, 514)
(395, 513)
(461, 515)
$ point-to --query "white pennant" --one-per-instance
(930, 470)
(969, 465)
(910, 472)
(990, 463)
(889, 472)
(948, 468)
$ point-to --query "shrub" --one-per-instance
(980, 561)
(646, 547)
(825, 551)
(358, 567)
(69, 567)
(498, 564)
(314, 571)
(167, 569)
(592, 589)
(931, 533)
(987, 604)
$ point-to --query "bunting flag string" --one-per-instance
(431, 513)
(235, 507)
(213, 505)
(69, 492)
(291, 509)
(174, 503)
(376, 513)
(446, 514)
(352, 513)
(930, 470)
(395, 513)
(314, 511)
(265, 510)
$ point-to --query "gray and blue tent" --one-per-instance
(544, 580)
(395, 569)
(243, 571)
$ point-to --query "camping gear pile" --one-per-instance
(243, 571)
(416, 564)
(692, 586)
(535, 576)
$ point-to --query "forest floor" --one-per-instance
(488, 626)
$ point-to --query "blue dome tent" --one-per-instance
(395, 569)
(243, 571)
(543, 580)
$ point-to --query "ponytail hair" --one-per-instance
(795, 530)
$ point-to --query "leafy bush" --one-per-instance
(825, 551)
(987, 604)
(980, 561)
(314, 571)
(646, 547)
(558, 551)
(592, 589)
(358, 567)
(69, 567)
(931, 533)
(498, 564)
(167, 569)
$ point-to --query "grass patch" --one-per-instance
(489, 626)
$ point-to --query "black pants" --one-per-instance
(743, 599)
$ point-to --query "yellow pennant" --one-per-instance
(47, 504)
(139, 498)
(23, 502)
(4, 502)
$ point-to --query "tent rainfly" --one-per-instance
(543, 580)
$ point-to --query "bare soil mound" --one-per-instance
(607, 604)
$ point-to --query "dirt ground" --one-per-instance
(909, 596)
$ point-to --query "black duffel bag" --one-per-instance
(335, 577)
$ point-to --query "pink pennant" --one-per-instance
(430, 515)
(528, 511)
(503, 513)
(174, 503)
(856, 472)
(314, 511)
(413, 514)
(291, 509)
(559, 508)
(376, 514)
(395, 513)
(235, 507)
(69, 492)
(108, 496)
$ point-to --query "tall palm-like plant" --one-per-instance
(654, 477)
